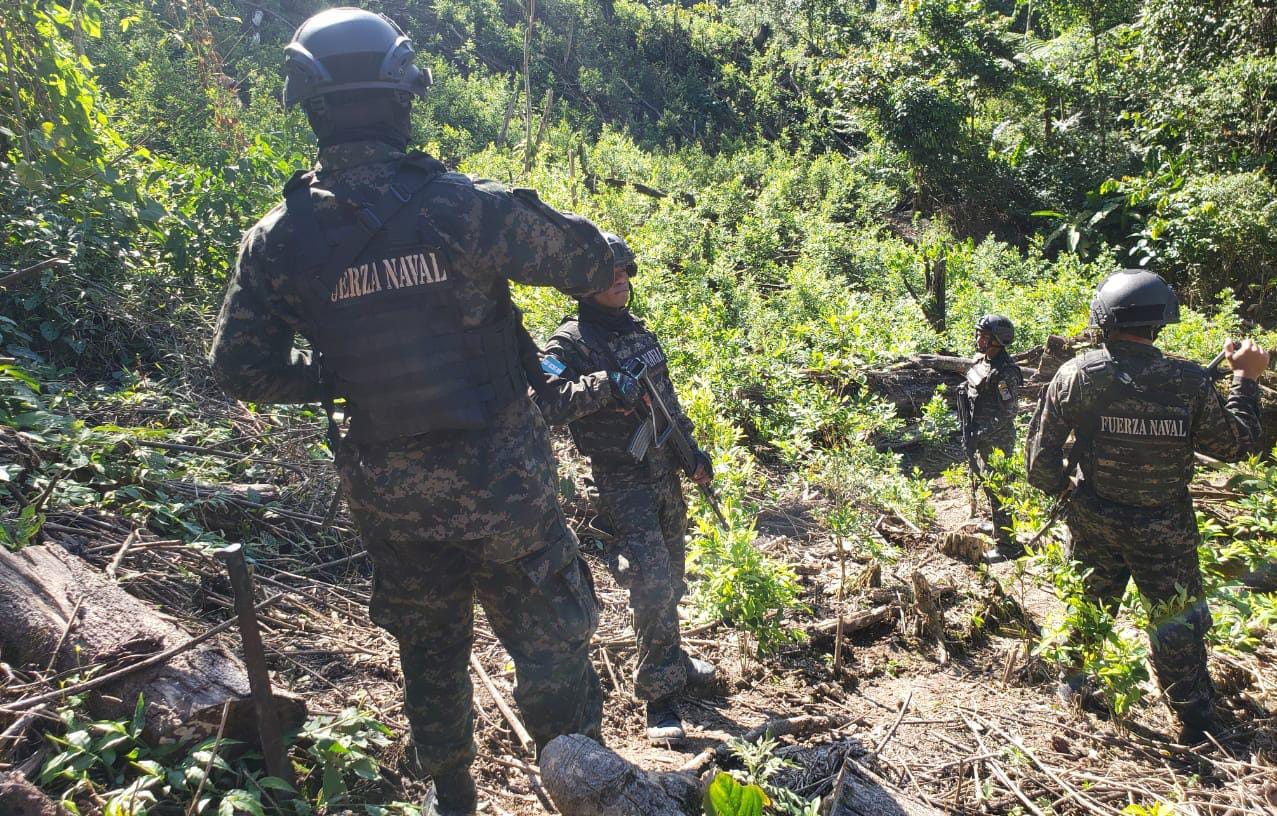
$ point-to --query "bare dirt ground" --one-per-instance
(943, 704)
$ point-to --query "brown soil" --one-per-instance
(941, 720)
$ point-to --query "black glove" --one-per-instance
(703, 461)
(625, 389)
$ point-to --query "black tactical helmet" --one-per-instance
(1133, 298)
(349, 49)
(622, 255)
(999, 326)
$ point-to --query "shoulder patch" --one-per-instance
(553, 366)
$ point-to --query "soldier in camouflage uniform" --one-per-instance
(643, 500)
(1136, 418)
(396, 271)
(993, 390)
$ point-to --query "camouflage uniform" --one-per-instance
(993, 386)
(643, 500)
(1133, 516)
(447, 515)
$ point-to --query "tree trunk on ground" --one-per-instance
(39, 589)
(585, 779)
(18, 797)
(855, 795)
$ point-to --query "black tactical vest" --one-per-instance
(1138, 438)
(380, 297)
(604, 435)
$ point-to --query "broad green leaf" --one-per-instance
(727, 797)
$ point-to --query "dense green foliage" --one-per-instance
(790, 174)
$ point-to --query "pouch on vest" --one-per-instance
(387, 319)
(1139, 438)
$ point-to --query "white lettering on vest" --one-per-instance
(1139, 426)
(400, 272)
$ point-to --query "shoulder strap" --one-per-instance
(1099, 365)
(370, 220)
(595, 338)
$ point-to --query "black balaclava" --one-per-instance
(617, 320)
(360, 116)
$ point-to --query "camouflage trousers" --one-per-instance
(985, 446)
(1158, 548)
(649, 517)
(541, 607)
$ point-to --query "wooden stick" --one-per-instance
(14, 278)
(1070, 791)
(66, 631)
(15, 731)
(904, 707)
(110, 677)
(129, 541)
(607, 662)
(534, 780)
(1001, 774)
(525, 739)
(801, 724)
(853, 623)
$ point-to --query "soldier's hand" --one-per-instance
(626, 390)
(704, 473)
(1246, 358)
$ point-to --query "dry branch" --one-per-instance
(799, 726)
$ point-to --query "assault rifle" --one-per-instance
(966, 419)
(659, 425)
(1213, 369)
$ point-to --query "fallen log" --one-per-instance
(184, 694)
(585, 779)
(854, 622)
(18, 797)
(856, 794)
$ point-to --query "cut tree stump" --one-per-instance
(585, 779)
(40, 587)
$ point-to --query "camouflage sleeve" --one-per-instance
(1048, 432)
(252, 356)
(530, 242)
(1228, 430)
(564, 394)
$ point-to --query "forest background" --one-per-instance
(813, 188)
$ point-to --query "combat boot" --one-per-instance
(664, 728)
(1196, 725)
(453, 794)
(702, 676)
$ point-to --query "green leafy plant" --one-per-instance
(1085, 639)
(727, 797)
(340, 747)
(761, 764)
(741, 586)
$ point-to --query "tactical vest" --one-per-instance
(380, 297)
(604, 435)
(1138, 439)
